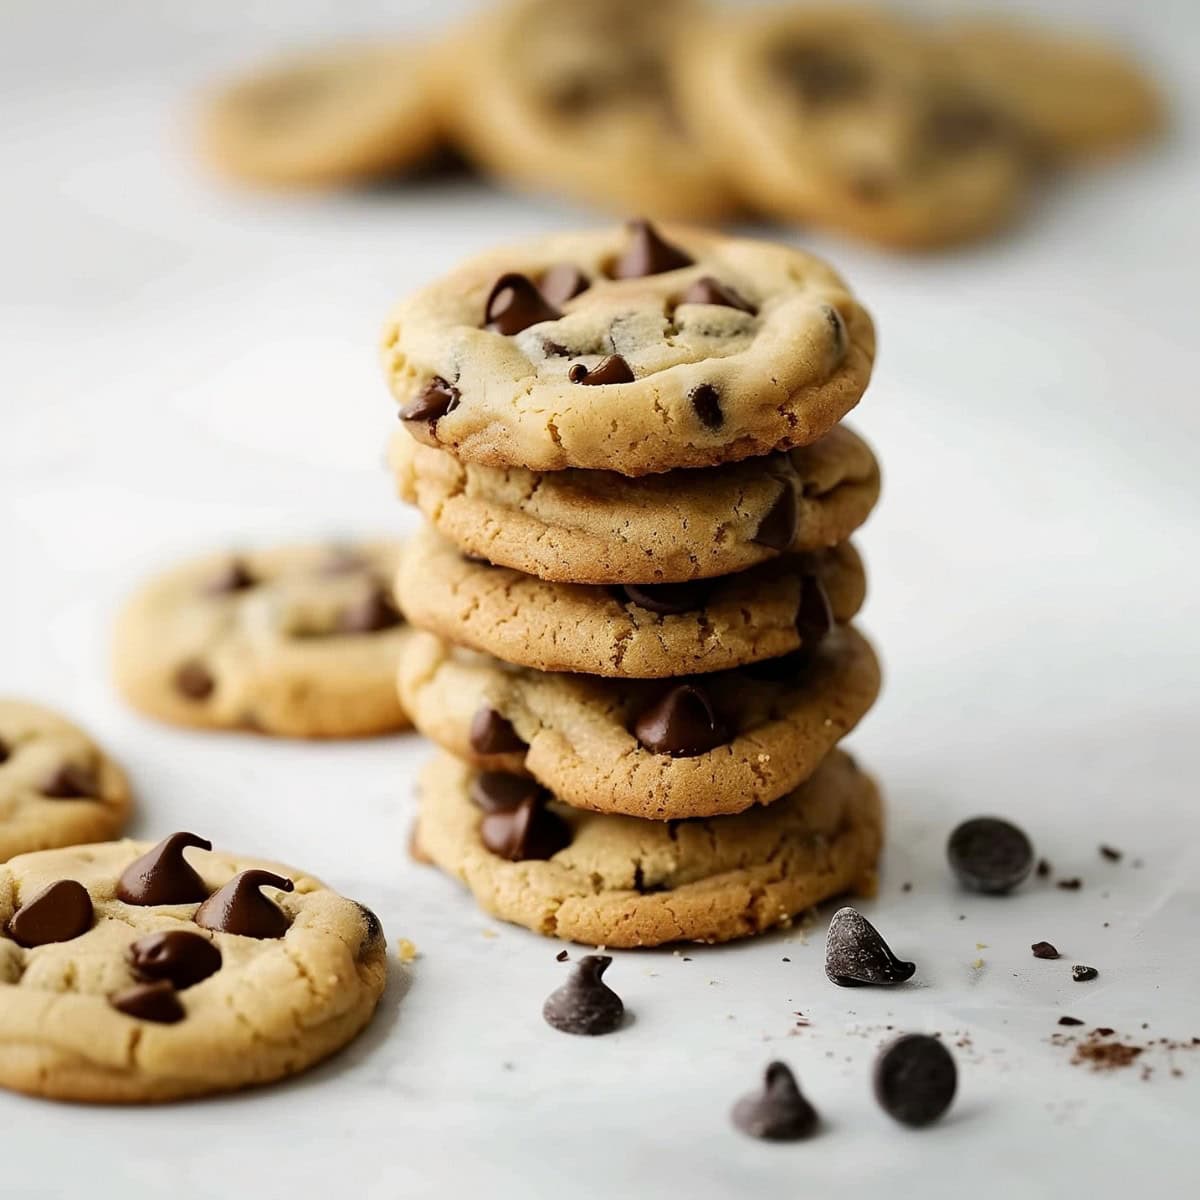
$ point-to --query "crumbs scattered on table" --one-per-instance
(406, 951)
(1070, 885)
(1111, 853)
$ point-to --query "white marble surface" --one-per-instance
(187, 366)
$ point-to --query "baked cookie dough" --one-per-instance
(177, 975)
(599, 527)
(853, 120)
(330, 116)
(632, 349)
(57, 787)
(621, 882)
(573, 98)
(651, 631)
(300, 642)
(658, 749)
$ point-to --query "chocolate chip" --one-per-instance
(563, 282)
(667, 598)
(514, 304)
(71, 782)
(1070, 885)
(194, 681)
(706, 401)
(814, 614)
(493, 734)
(1111, 853)
(149, 1002)
(434, 401)
(526, 833)
(499, 791)
(777, 530)
(372, 927)
(648, 254)
(837, 331)
(163, 876)
(178, 956)
(1043, 868)
(4, 751)
(561, 956)
(1082, 974)
(239, 907)
(915, 1079)
(682, 723)
(819, 74)
(778, 1113)
(585, 1004)
(786, 668)
(233, 577)
(711, 291)
(855, 953)
(1043, 950)
(1069, 1021)
(613, 369)
(375, 612)
(59, 912)
(989, 855)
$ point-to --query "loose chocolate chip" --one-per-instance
(71, 782)
(989, 855)
(777, 530)
(1070, 885)
(819, 74)
(1111, 853)
(375, 612)
(526, 833)
(194, 681)
(585, 1004)
(706, 401)
(1082, 974)
(434, 401)
(563, 282)
(648, 254)
(1069, 1021)
(163, 876)
(613, 369)
(178, 956)
(915, 1079)
(514, 304)
(711, 291)
(233, 577)
(667, 598)
(150, 1002)
(498, 791)
(561, 956)
(239, 907)
(682, 723)
(493, 734)
(59, 912)
(778, 1113)
(1043, 950)
(814, 614)
(855, 953)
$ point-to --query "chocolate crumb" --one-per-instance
(906, 887)
(561, 956)
(1069, 1021)
(787, 960)
(1110, 853)
(1070, 885)
(1082, 974)
(1103, 1031)
(1043, 868)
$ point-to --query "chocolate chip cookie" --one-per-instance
(301, 642)
(632, 350)
(57, 787)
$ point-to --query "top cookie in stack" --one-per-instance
(638, 581)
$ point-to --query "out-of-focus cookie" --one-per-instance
(301, 641)
(57, 787)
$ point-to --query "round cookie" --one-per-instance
(853, 120)
(658, 749)
(57, 787)
(654, 631)
(112, 999)
(301, 642)
(574, 99)
(599, 527)
(329, 116)
(621, 882)
(629, 349)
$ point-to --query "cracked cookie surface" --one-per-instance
(300, 641)
(629, 349)
(57, 787)
(625, 882)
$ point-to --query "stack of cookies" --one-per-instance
(633, 596)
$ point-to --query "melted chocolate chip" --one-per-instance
(585, 1004)
(613, 369)
(648, 254)
(819, 74)
(499, 791)
(712, 291)
(855, 953)
(706, 401)
(683, 723)
(915, 1079)
(1082, 974)
(434, 401)
(777, 530)
(3, 751)
(563, 282)
(155, 1002)
(989, 855)
(814, 615)
(787, 668)
(528, 832)
(178, 956)
(375, 612)
(59, 912)
(667, 598)
(1043, 950)
(779, 1112)
(239, 907)
(493, 734)
(194, 681)
(71, 782)
(163, 876)
(514, 304)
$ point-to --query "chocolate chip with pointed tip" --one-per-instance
(706, 403)
(1044, 950)
(779, 1112)
(777, 529)
(434, 401)
(375, 612)
(585, 1004)
(514, 304)
(529, 832)
(562, 282)
(1069, 1021)
(667, 599)
(493, 734)
(1082, 974)
(180, 957)
(59, 912)
(71, 782)
(194, 681)
(163, 876)
(613, 369)
(648, 254)
(155, 1002)
(708, 290)
(990, 855)
(682, 723)
(855, 953)
(915, 1079)
(814, 614)
(501, 791)
(240, 907)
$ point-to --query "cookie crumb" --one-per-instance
(489, 934)
(406, 951)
